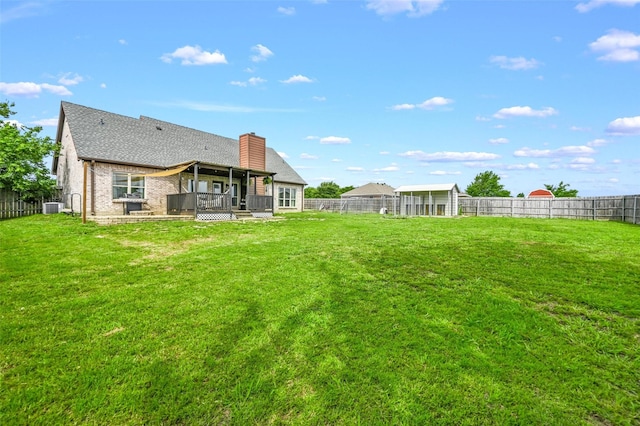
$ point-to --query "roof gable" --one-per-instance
(370, 189)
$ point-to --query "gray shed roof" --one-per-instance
(429, 187)
(370, 190)
(105, 136)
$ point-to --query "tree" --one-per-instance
(487, 184)
(22, 154)
(326, 190)
(562, 190)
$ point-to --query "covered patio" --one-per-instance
(213, 192)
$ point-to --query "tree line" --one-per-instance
(487, 184)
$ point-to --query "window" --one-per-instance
(286, 197)
(202, 185)
(127, 183)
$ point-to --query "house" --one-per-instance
(370, 190)
(428, 200)
(112, 164)
(541, 193)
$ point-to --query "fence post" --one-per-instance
(551, 208)
(594, 208)
(478, 208)
(635, 204)
(512, 207)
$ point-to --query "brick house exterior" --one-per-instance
(108, 159)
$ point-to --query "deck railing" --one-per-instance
(259, 203)
(185, 203)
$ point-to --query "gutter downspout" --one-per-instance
(195, 190)
(230, 193)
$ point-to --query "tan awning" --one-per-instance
(169, 172)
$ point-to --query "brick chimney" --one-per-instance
(253, 155)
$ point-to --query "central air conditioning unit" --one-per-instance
(52, 208)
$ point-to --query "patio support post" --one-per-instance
(230, 194)
(195, 190)
(273, 196)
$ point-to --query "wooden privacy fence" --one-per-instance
(624, 208)
(12, 206)
(352, 205)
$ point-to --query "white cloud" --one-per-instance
(625, 126)
(282, 154)
(614, 180)
(253, 81)
(262, 53)
(515, 64)
(392, 168)
(598, 142)
(429, 104)
(123, 42)
(450, 156)
(310, 138)
(354, 169)
(70, 80)
(384, 153)
(413, 8)
(583, 160)
(482, 118)
(593, 4)
(336, 160)
(334, 140)
(499, 126)
(297, 79)
(319, 98)
(435, 102)
(565, 151)
(528, 166)
(103, 85)
(443, 173)
(32, 90)
(194, 55)
(579, 129)
(46, 122)
(23, 10)
(524, 111)
(402, 107)
(617, 46)
(306, 156)
(288, 11)
(498, 141)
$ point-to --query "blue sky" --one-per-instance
(401, 92)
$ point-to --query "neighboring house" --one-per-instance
(541, 193)
(112, 165)
(428, 200)
(370, 190)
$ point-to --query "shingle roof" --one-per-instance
(369, 190)
(104, 136)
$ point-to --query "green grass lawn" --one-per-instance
(320, 319)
